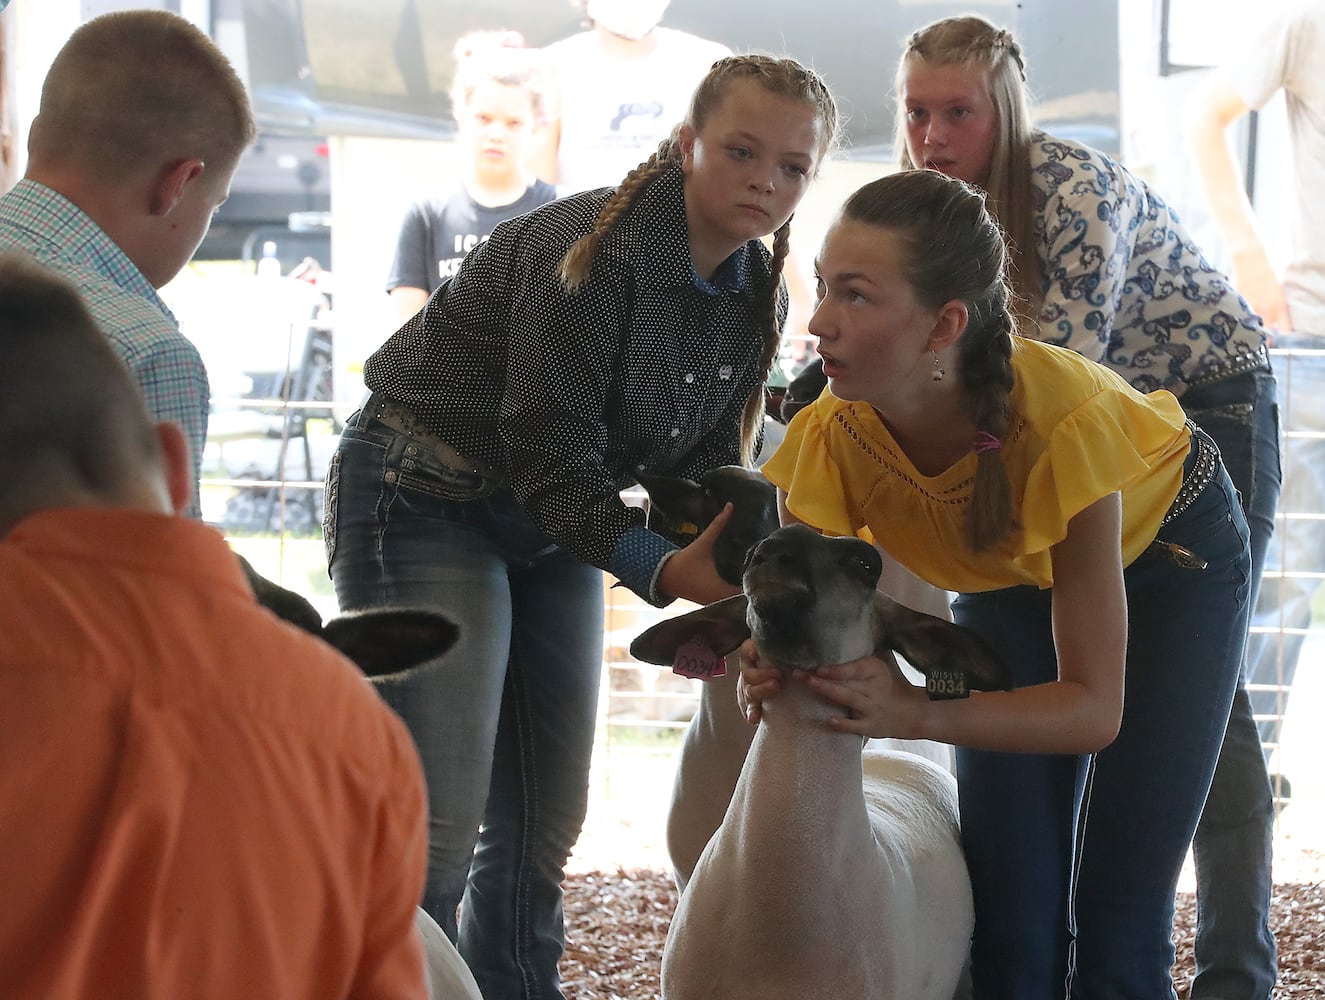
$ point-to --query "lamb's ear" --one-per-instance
(391, 642)
(721, 625)
(284, 604)
(930, 643)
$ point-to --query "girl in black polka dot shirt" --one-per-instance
(610, 332)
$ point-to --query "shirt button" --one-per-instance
(690, 377)
(676, 431)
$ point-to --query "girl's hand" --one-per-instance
(691, 573)
(756, 682)
(879, 700)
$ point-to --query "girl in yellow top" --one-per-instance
(1092, 536)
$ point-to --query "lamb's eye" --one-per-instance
(865, 562)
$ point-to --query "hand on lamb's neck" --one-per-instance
(798, 710)
(796, 761)
(796, 704)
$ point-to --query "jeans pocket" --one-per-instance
(330, 498)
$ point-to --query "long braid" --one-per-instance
(752, 417)
(955, 250)
(578, 262)
(987, 374)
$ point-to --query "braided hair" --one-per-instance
(953, 249)
(781, 77)
(972, 41)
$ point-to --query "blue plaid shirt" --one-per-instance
(167, 367)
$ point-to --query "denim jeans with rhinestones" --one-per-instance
(504, 722)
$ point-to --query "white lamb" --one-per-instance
(833, 874)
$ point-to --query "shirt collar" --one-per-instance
(48, 216)
(656, 227)
(732, 275)
(175, 546)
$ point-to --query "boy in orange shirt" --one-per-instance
(195, 799)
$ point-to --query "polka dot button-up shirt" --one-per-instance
(646, 366)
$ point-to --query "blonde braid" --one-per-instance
(578, 262)
(1003, 41)
(752, 417)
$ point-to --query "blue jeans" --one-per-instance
(504, 722)
(1300, 547)
(1074, 860)
(1235, 951)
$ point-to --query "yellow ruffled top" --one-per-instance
(1078, 433)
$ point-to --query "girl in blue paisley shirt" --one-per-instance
(612, 331)
(1106, 268)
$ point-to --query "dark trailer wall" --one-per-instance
(382, 68)
(345, 67)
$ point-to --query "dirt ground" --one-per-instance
(620, 895)
(617, 921)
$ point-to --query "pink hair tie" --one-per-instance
(984, 441)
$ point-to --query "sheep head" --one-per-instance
(810, 600)
(680, 508)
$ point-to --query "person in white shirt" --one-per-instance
(616, 91)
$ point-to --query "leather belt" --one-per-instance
(1198, 471)
(403, 420)
(1239, 364)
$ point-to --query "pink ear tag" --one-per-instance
(696, 658)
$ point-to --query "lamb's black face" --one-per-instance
(754, 515)
(798, 552)
(675, 501)
(809, 594)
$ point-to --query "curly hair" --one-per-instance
(499, 56)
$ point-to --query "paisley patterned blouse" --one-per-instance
(1124, 283)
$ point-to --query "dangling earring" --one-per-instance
(938, 372)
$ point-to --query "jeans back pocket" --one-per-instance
(330, 501)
